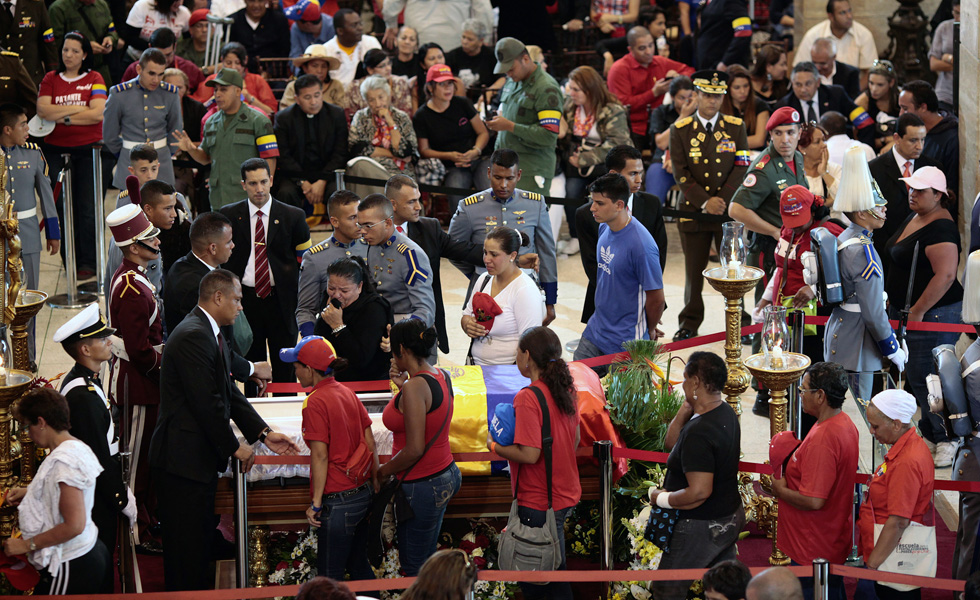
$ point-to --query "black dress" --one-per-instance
(366, 320)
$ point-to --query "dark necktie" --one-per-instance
(263, 286)
(707, 127)
(7, 17)
(811, 111)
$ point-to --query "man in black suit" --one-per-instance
(904, 159)
(627, 161)
(193, 438)
(211, 246)
(312, 138)
(269, 240)
(811, 99)
(823, 53)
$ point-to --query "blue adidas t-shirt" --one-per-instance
(628, 267)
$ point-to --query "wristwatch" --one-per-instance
(67, 120)
(31, 545)
(264, 433)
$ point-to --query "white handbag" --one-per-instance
(915, 554)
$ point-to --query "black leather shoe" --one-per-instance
(761, 407)
(684, 334)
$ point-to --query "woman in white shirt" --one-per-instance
(513, 291)
(55, 510)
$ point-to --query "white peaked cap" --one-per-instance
(856, 189)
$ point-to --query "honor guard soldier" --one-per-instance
(26, 29)
(145, 110)
(504, 204)
(530, 113)
(27, 175)
(16, 85)
(86, 339)
(710, 153)
(346, 241)
(135, 375)
(400, 269)
(861, 315)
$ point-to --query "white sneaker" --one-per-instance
(571, 247)
(930, 446)
(944, 454)
(560, 247)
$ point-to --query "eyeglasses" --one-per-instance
(802, 390)
(371, 226)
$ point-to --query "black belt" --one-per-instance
(347, 493)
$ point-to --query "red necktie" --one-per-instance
(907, 172)
(262, 285)
(399, 228)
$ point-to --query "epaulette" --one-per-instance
(763, 161)
(121, 87)
(123, 194)
(9, 53)
(473, 199)
(316, 248)
(532, 196)
(32, 146)
(865, 240)
(128, 275)
(402, 248)
(681, 123)
(168, 86)
(732, 120)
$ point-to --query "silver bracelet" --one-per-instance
(337, 329)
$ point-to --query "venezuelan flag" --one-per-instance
(99, 90)
(742, 158)
(549, 119)
(860, 118)
(112, 27)
(268, 146)
(742, 27)
(49, 35)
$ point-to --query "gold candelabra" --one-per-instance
(776, 372)
(733, 284)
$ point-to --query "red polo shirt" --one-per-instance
(633, 83)
(821, 468)
(902, 486)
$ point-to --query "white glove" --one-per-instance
(757, 315)
(935, 388)
(130, 510)
(810, 275)
(899, 358)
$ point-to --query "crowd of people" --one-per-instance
(835, 166)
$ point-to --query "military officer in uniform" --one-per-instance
(862, 313)
(86, 339)
(93, 19)
(16, 85)
(26, 29)
(27, 175)
(135, 375)
(504, 204)
(530, 111)
(346, 241)
(145, 110)
(710, 153)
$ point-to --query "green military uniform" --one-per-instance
(185, 49)
(29, 34)
(707, 163)
(230, 140)
(534, 105)
(93, 20)
(16, 84)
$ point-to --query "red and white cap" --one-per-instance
(129, 224)
(781, 447)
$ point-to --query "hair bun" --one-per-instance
(525, 240)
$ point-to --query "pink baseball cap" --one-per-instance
(925, 178)
(313, 351)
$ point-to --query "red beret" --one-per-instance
(783, 116)
(198, 15)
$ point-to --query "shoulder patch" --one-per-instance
(168, 86)
(749, 180)
(732, 120)
(32, 146)
(316, 249)
(9, 53)
(402, 248)
(128, 276)
(416, 274)
(763, 161)
(683, 122)
(473, 199)
(532, 196)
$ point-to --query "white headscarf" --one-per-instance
(895, 404)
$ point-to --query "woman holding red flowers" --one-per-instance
(505, 303)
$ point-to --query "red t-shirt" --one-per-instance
(332, 414)
(566, 489)
(821, 468)
(77, 92)
(439, 456)
(902, 486)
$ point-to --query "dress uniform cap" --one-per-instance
(710, 81)
(86, 324)
(197, 16)
(312, 351)
(507, 50)
(316, 52)
(794, 206)
(39, 127)
(227, 77)
(129, 224)
(855, 192)
(783, 116)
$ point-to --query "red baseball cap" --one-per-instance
(794, 206)
(437, 73)
(313, 351)
(198, 15)
(20, 573)
(783, 116)
(781, 448)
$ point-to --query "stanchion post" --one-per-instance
(854, 557)
(602, 450)
(795, 413)
(339, 174)
(72, 298)
(821, 579)
(241, 525)
(99, 195)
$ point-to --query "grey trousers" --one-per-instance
(967, 468)
(697, 544)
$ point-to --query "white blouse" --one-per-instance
(523, 308)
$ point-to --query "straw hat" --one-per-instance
(316, 52)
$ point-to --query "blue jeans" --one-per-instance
(336, 551)
(659, 181)
(558, 590)
(920, 364)
(418, 537)
(474, 176)
(587, 349)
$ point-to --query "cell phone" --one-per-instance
(491, 114)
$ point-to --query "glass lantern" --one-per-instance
(775, 334)
(732, 251)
